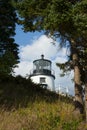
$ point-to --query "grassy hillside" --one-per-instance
(26, 106)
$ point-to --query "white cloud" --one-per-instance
(23, 68)
(43, 45)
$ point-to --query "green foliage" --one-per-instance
(66, 20)
(8, 48)
(19, 91)
(70, 125)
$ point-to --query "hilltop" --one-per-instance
(26, 106)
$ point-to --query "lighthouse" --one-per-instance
(43, 74)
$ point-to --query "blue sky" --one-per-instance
(24, 38)
(31, 46)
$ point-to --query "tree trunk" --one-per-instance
(78, 88)
(86, 95)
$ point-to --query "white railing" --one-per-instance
(53, 72)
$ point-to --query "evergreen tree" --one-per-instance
(66, 20)
(8, 47)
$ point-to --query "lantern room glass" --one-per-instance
(42, 66)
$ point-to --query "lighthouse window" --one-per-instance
(42, 80)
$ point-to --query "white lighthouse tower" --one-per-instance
(42, 73)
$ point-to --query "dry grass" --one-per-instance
(25, 106)
(40, 116)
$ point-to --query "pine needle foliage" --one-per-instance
(8, 48)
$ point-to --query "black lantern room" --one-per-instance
(42, 66)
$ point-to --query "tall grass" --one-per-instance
(26, 106)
